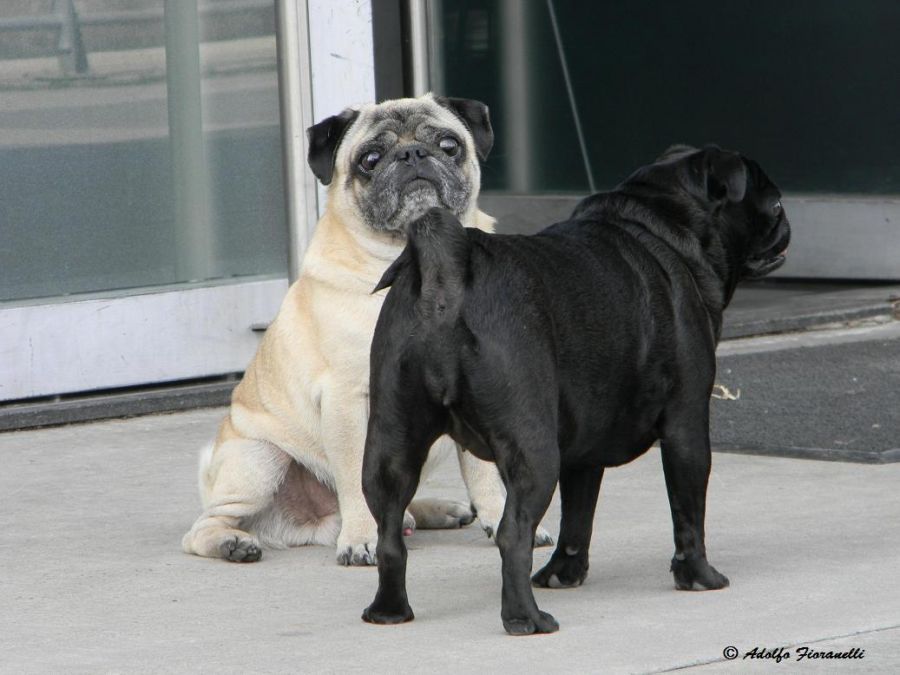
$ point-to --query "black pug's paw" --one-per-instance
(697, 575)
(387, 615)
(564, 570)
(544, 623)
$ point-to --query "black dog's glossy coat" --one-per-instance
(563, 353)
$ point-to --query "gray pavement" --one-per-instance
(93, 578)
(833, 401)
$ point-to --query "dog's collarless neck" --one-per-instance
(707, 282)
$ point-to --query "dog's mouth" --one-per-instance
(770, 259)
(416, 197)
(417, 184)
(761, 267)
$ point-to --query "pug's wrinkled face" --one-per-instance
(770, 234)
(389, 163)
(748, 220)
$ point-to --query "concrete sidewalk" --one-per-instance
(93, 578)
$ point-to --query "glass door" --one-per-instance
(142, 223)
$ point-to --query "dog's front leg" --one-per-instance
(485, 488)
(344, 421)
(686, 460)
(579, 487)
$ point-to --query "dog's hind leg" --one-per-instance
(529, 463)
(396, 449)
(686, 461)
(305, 511)
(238, 480)
(579, 487)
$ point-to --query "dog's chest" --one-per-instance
(347, 323)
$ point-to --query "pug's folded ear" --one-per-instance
(674, 151)
(725, 174)
(324, 139)
(476, 116)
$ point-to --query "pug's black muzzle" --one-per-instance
(415, 174)
(773, 254)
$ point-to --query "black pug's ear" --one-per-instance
(725, 174)
(324, 139)
(476, 117)
(674, 151)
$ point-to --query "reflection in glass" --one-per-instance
(808, 88)
(129, 173)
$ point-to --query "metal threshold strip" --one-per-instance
(117, 403)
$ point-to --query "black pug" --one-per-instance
(560, 354)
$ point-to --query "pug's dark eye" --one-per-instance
(449, 145)
(369, 160)
(776, 208)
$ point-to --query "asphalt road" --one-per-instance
(821, 394)
(836, 401)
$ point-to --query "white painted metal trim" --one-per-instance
(417, 17)
(834, 236)
(102, 343)
(843, 237)
(326, 62)
(296, 102)
(342, 54)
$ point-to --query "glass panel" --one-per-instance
(808, 87)
(137, 149)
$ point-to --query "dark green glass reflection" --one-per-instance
(807, 87)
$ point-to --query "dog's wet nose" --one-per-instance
(412, 154)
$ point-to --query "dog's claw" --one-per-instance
(357, 556)
(240, 550)
(542, 538)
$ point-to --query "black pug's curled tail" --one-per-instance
(438, 250)
(431, 273)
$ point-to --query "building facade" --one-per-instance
(154, 196)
